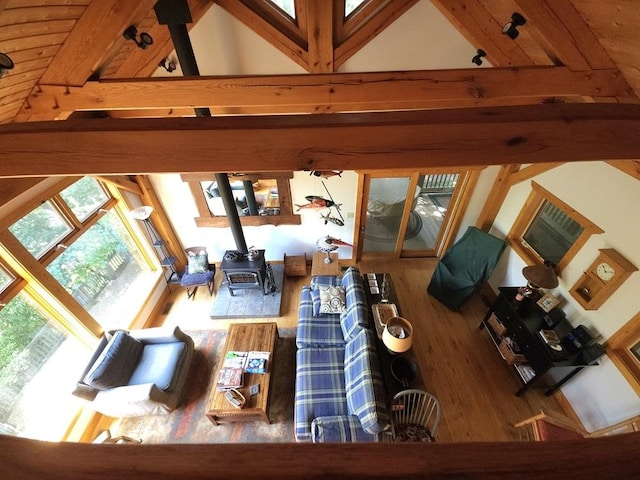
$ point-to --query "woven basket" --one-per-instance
(496, 325)
(509, 355)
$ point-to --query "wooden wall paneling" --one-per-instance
(8, 32)
(572, 39)
(464, 137)
(615, 23)
(341, 92)
(22, 14)
(35, 41)
(102, 22)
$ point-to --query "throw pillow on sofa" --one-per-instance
(328, 300)
(116, 363)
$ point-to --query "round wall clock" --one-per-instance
(605, 271)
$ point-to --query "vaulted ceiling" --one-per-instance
(71, 56)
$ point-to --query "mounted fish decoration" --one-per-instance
(330, 218)
(326, 173)
(316, 202)
(337, 241)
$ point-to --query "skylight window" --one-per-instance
(287, 6)
(351, 5)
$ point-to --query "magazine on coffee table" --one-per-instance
(257, 362)
(235, 359)
(230, 378)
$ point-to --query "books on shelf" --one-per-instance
(230, 378)
(526, 372)
(257, 362)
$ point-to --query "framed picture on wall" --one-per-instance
(548, 302)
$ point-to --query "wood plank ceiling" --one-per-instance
(68, 53)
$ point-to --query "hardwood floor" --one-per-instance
(457, 361)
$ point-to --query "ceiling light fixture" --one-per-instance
(168, 65)
(6, 64)
(510, 29)
(478, 58)
(131, 33)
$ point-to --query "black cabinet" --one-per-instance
(536, 363)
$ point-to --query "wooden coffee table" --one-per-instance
(246, 337)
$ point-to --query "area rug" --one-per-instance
(249, 303)
(188, 424)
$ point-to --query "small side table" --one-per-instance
(318, 267)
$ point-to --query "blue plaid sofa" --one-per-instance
(339, 394)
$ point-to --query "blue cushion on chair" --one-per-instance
(191, 279)
(159, 364)
(114, 366)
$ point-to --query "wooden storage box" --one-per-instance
(295, 265)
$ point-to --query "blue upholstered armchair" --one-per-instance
(137, 372)
(199, 271)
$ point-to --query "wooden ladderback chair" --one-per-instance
(415, 415)
(547, 426)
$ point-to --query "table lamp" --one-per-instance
(537, 276)
(326, 245)
(397, 335)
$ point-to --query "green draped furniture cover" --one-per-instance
(465, 267)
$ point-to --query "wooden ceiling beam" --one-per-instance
(323, 93)
(562, 26)
(319, 15)
(483, 31)
(372, 141)
(96, 31)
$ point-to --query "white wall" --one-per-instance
(607, 197)
(178, 202)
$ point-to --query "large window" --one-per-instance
(36, 377)
(547, 229)
(100, 270)
(79, 236)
